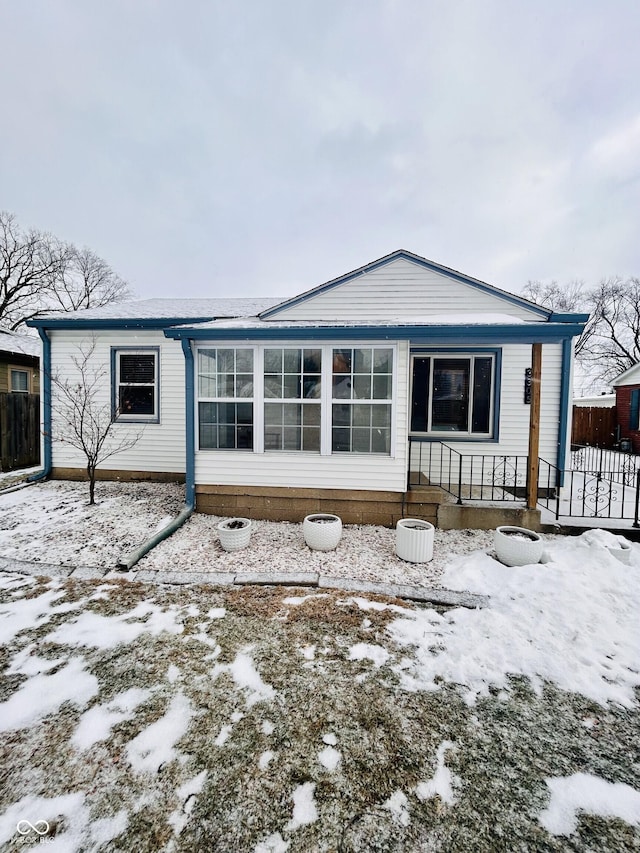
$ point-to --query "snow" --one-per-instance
(217, 613)
(267, 727)
(186, 794)
(398, 805)
(572, 621)
(154, 746)
(28, 613)
(330, 739)
(43, 694)
(329, 758)
(367, 651)
(162, 309)
(106, 632)
(304, 807)
(443, 781)
(275, 843)
(96, 724)
(583, 792)
(247, 678)
(79, 832)
(23, 344)
(265, 759)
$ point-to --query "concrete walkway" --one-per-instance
(443, 597)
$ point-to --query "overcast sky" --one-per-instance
(262, 147)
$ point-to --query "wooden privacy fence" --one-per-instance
(594, 425)
(19, 431)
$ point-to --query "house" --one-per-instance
(330, 399)
(19, 403)
(19, 364)
(627, 391)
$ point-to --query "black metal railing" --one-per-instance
(588, 493)
(620, 467)
(467, 476)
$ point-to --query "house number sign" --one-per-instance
(527, 385)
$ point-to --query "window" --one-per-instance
(292, 375)
(276, 399)
(453, 393)
(20, 381)
(362, 382)
(225, 391)
(136, 385)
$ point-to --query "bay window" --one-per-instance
(316, 399)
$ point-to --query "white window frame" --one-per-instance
(326, 395)
(27, 373)
(117, 415)
(231, 345)
(456, 354)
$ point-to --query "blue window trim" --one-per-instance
(451, 437)
(114, 390)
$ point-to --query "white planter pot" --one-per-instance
(322, 531)
(234, 533)
(621, 551)
(414, 540)
(517, 546)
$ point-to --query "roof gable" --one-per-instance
(403, 284)
(631, 376)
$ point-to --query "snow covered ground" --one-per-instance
(141, 717)
(52, 523)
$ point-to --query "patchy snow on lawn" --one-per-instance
(97, 723)
(443, 781)
(573, 621)
(583, 792)
(155, 745)
(242, 670)
(304, 807)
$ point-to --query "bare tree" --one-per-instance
(614, 345)
(40, 273)
(573, 297)
(84, 420)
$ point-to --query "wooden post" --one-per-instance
(534, 426)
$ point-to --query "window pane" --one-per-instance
(481, 395)
(226, 361)
(137, 367)
(19, 380)
(381, 416)
(292, 361)
(311, 439)
(420, 394)
(381, 441)
(244, 385)
(383, 361)
(362, 387)
(361, 440)
(342, 387)
(273, 414)
(207, 361)
(311, 414)
(362, 361)
(273, 361)
(292, 436)
(136, 400)
(207, 386)
(291, 413)
(312, 387)
(450, 401)
(273, 386)
(244, 361)
(341, 415)
(342, 360)
(244, 413)
(362, 415)
(291, 386)
(382, 387)
(312, 361)
(340, 440)
(226, 385)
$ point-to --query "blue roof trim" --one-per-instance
(568, 318)
(467, 334)
(153, 323)
(416, 259)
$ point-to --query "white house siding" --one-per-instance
(514, 412)
(404, 289)
(310, 470)
(162, 446)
